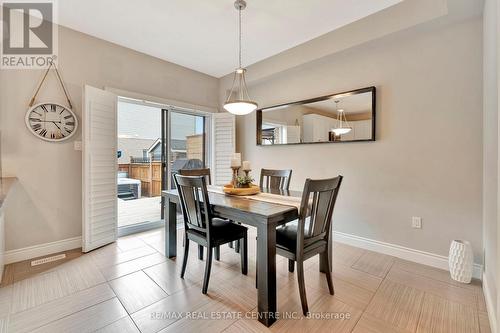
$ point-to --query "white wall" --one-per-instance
(490, 154)
(427, 160)
(46, 203)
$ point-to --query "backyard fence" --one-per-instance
(149, 173)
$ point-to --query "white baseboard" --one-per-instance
(39, 250)
(489, 304)
(421, 257)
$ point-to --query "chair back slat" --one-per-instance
(191, 205)
(194, 200)
(324, 201)
(197, 172)
(275, 179)
(317, 211)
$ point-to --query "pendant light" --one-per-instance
(342, 125)
(238, 102)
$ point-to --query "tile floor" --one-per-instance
(130, 286)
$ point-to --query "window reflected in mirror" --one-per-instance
(341, 117)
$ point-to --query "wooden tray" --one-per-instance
(230, 189)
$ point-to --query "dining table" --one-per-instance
(261, 212)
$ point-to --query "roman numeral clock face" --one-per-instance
(51, 121)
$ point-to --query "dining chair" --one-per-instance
(310, 235)
(205, 172)
(197, 172)
(275, 179)
(202, 227)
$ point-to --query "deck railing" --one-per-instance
(143, 159)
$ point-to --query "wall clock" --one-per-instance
(51, 121)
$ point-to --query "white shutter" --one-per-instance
(223, 146)
(99, 168)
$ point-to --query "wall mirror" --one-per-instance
(336, 118)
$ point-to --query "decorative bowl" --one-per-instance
(230, 189)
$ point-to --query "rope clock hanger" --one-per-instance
(51, 121)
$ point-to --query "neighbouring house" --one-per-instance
(133, 147)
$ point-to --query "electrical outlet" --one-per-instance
(416, 222)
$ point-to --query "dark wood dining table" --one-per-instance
(265, 216)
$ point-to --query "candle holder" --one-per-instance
(235, 175)
(247, 172)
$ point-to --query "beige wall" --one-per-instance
(46, 204)
(490, 150)
(425, 77)
(427, 160)
(402, 16)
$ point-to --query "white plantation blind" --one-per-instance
(224, 144)
(99, 168)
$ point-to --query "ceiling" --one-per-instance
(353, 104)
(202, 34)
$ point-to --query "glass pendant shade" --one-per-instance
(240, 108)
(340, 131)
(343, 125)
(238, 101)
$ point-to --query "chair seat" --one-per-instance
(286, 238)
(222, 231)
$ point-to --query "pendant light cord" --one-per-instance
(238, 101)
(239, 40)
(339, 114)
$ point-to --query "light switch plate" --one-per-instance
(416, 222)
(78, 145)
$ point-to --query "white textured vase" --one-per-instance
(460, 261)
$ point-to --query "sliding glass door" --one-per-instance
(139, 166)
(187, 142)
(185, 137)
(154, 142)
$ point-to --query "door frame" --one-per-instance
(207, 140)
(164, 157)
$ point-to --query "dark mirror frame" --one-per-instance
(372, 89)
